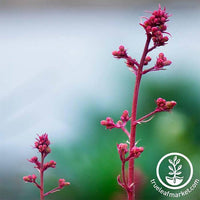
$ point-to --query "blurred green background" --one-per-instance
(58, 76)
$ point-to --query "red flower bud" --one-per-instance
(136, 151)
(125, 116)
(30, 178)
(109, 123)
(163, 105)
(170, 104)
(62, 183)
(121, 53)
(122, 149)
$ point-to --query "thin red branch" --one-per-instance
(52, 191)
(124, 176)
(125, 131)
(146, 116)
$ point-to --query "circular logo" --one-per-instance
(174, 171)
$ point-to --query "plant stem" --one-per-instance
(42, 178)
(52, 191)
(131, 194)
(146, 116)
(123, 174)
(125, 131)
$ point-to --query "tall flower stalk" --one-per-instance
(156, 36)
(42, 144)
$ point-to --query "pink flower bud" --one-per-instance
(161, 102)
(163, 105)
(52, 163)
(163, 20)
(115, 53)
(148, 29)
(27, 179)
(30, 178)
(136, 151)
(170, 104)
(121, 53)
(48, 150)
(35, 161)
(34, 177)
(119, 123)
(103, 122)
(161, 55)
(122, 149)
(62, 183)
(148, 59)
(109, 123)
(167, 62)
(125, 116)
(165, 39)
(121, 48)
(154, 29)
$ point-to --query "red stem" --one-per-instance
(123, 175)
(131, 194)
(52, 191)
(125, 131)
(146, 116)
(42, 178)
(36, 184)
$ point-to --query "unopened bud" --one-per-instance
(170, 104)
(121, 48)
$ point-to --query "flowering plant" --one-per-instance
(155, 28)
(42, 144)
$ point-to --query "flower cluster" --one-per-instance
(42, 144)
(121, 53)
(123, 149)
(130, 62)
(35, 161)
(136, 151)
(160, 63)
(163, 105)
(51, 164)
(30, 178)
(155, 25)
(109, 122)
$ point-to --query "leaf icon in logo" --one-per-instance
(178, 161)
(179, 167)
(178, 173)
(170, 168)
(175, 158)
(170, 161)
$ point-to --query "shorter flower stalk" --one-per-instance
(42, 144)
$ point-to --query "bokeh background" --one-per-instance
(57, 75)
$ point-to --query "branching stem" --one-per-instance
(131, 194)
